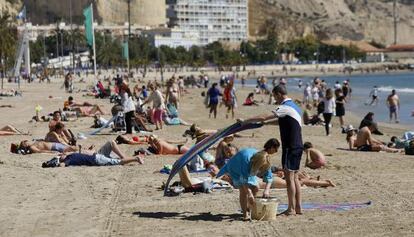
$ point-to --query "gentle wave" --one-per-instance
(390, 88)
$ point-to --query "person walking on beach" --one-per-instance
(374, 95)
(340, 108)
(213, 94)
(128, 105)
(307, 94)
(288, 117)
(393, 103)
(329, 109)
(158, 104)
(230, 99)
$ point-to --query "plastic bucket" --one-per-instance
(265, 209)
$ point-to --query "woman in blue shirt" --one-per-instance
(213, 93)
(244, 169)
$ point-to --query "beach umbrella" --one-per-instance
(205, 144)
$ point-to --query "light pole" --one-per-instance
(72, 38)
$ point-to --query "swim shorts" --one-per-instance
(291, 158)
(59, 147)
(105, 150)
(393, 109)
(365, 148)
(102, 160)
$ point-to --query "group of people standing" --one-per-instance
(229, 98)
(329, 102)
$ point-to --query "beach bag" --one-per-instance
(409, 150)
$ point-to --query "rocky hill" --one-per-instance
(328, 19)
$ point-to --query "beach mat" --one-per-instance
(327, 207)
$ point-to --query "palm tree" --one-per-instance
(8, 39)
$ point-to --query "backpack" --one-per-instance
(409, 150)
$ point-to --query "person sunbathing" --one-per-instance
(200, 134)
(57, 135)
(9, 130)
(42, 147)
(135, 140)
(304, 179)
(161, 147)
(315, 159)
(102, 157)
(85, 109)
(57, 129)
(365, 142)
(70, 103)
(88, 111)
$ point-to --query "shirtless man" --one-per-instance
(365, 142)
(46, 147)
(393, 102)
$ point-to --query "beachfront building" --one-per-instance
(400, 52)
(176, 38)
(214, 20)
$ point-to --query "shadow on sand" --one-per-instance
(189, 216)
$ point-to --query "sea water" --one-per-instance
(362, 85)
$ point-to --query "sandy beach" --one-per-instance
(127, 201)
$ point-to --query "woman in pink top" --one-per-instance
(314, 158)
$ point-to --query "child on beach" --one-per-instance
(329, 109)
(244, 169)
(314, 157)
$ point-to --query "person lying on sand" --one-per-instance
(199, 134)
(365, 142)
(71, 103)
(6, 106)
(9, 130)
(304, 179)
(135, 140)
(243, 170)
(84, 109)
(161, 147)
(399, 143)
(101, 158)
(88, 111)
(42, 147)
(315, 159)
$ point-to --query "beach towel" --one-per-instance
(327, 207)
(172, 111)
(204, 145)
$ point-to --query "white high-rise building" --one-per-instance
(214, 20)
